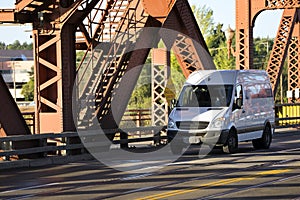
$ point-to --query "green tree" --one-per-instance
(2, 45)
(79, 56)
(27, 46)
(214, 37)
(141, 95)
(284, 87)
(28, 88)
(216, 40)
(262, 50)
(221, 60)
(16, 45)
(177, 76)
(204, 18)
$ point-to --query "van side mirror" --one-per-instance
(173, 103)
(239, 103)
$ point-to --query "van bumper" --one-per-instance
(209, 137)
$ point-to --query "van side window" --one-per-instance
(260, 90)
(238, 97)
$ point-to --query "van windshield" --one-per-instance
(205, 96)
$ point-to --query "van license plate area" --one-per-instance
(193, 140)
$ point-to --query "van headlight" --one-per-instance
(218, 123)
(171, 123)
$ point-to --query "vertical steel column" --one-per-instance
(244, 35)
(48, 83)
(68, 60)
(54, 78)
(293, 60)
(160, 74)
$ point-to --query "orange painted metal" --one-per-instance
(246, 14)
(21, 5)
(280, 47)
(55, 67)
(158, 9)
(12, 121)
(7, 15)
(294, 60)
(10, 116)
(187, 41)
(55, 41)
(159, 56)
(244, 35)
(54, 31)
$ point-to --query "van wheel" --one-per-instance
(231, 144)
(265, 141)
(176, 148)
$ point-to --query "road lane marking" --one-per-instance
(28, 188)
(23, 197)
(249, 187)
(213, 184)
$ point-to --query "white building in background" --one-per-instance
(15, 67)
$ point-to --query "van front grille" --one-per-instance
(187, 125)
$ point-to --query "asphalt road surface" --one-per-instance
(248, 174)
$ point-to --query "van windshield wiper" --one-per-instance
(214, 108)
(181, 108)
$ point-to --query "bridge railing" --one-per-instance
(140, 117)
(30, 120)
(63, 144)
(287, 115)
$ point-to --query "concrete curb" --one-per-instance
(287, 131)
(55, 160)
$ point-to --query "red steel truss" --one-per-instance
(246, 13)
(280, 47)
(61, 27)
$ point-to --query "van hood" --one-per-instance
(204, 114)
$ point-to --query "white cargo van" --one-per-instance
(222, 108)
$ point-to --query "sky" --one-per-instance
(266, 24)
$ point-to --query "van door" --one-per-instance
(239, 114)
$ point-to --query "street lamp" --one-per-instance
(229, 34)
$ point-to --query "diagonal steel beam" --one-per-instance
(12, 121)
(10, 115)
(20, 5)
(188, 44)
(280, 47)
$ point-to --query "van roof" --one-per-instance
(205, 77)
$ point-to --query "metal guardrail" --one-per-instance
(45, 147)
(30, 120)
(287, 115)
(69, 144)
(63, 144)
(140, 117)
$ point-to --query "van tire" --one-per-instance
(176, 148)
(231, 144)
(265, 141)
